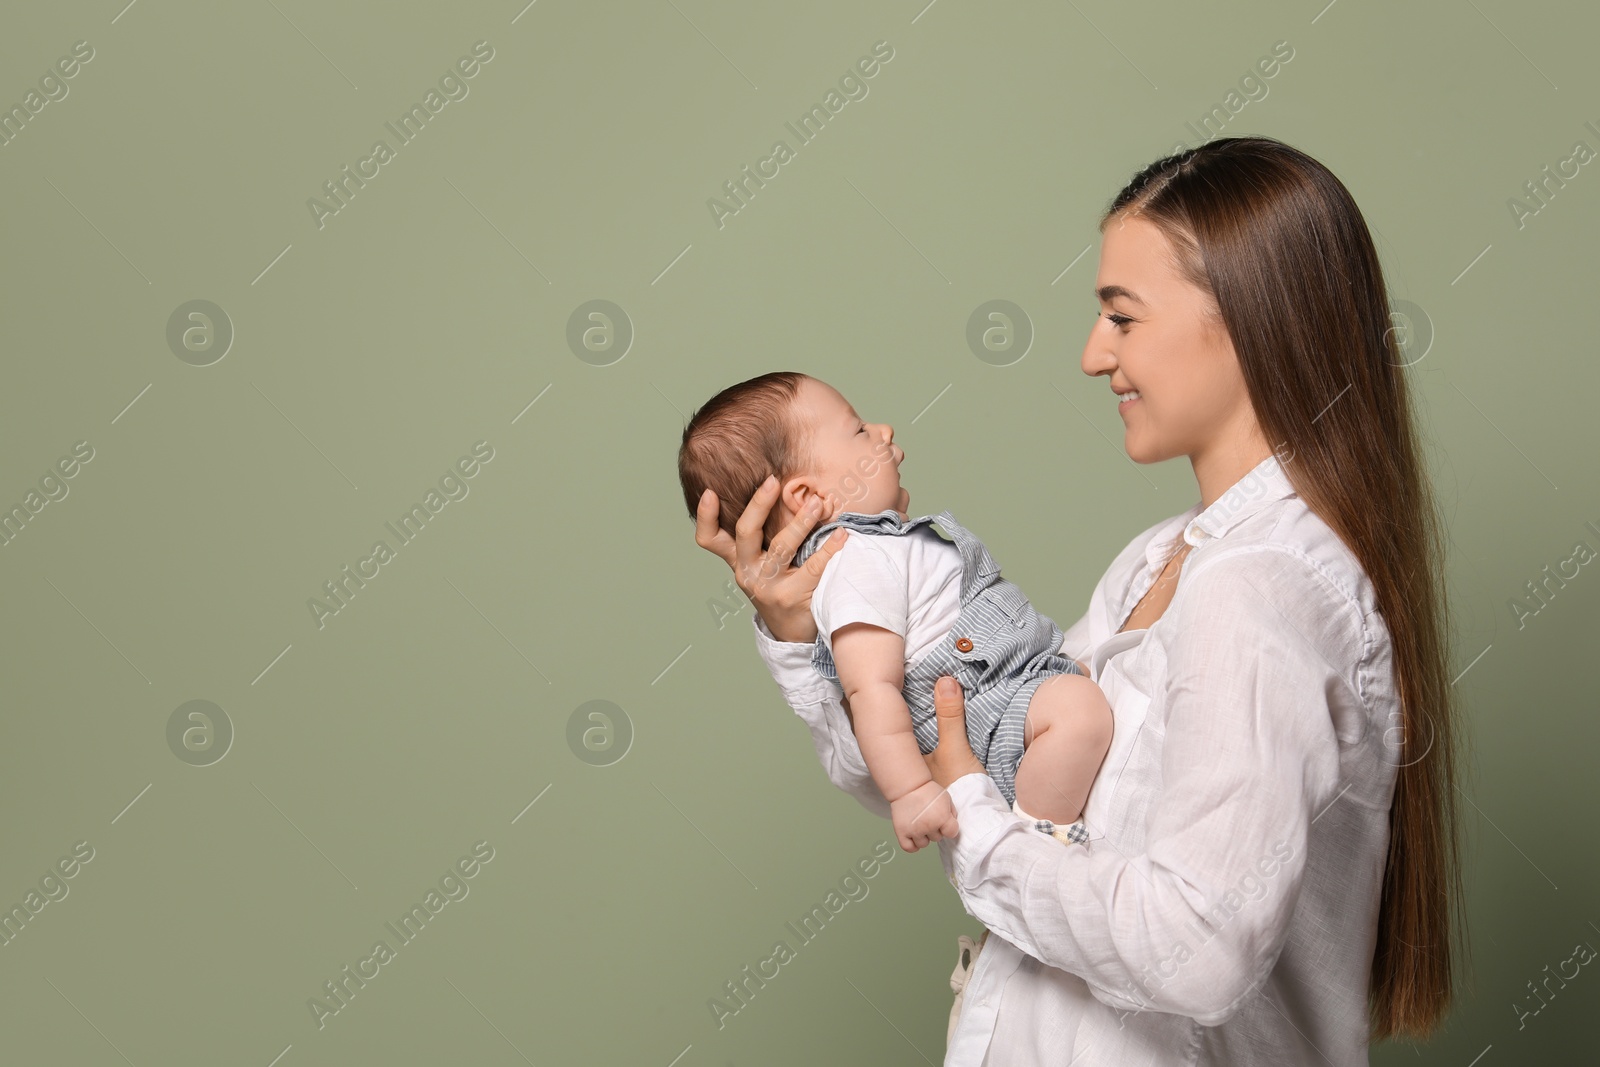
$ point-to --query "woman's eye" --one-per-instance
(1118, 321)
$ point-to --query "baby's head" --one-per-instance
(798, 428)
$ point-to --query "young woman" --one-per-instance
(1271, 875)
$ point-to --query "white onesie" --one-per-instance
(910, 585)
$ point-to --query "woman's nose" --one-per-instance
(1097, 356)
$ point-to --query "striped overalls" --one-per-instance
(999, 649)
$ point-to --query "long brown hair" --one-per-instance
(1278, 242)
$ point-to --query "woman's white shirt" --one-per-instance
(1224, 910)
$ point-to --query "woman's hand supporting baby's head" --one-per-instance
(780, 592)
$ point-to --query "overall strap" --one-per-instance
(887, 521)
(978, 568)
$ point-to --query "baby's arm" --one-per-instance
(871, 665)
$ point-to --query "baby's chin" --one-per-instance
(900, 504)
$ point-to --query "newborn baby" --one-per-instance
(899, 605)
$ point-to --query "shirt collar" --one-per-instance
(1263, 484)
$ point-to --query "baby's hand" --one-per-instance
(923, 816)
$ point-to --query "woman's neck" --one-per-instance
(1221, 465)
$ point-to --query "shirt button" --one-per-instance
(964, 644)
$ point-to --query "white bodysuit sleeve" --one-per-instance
(865, 581)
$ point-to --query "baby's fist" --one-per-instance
(923, 816)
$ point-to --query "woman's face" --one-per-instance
(1180, 388)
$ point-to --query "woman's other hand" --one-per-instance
(952, 757)
(781, 593)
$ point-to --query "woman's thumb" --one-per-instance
(949, 707)
(832, 543)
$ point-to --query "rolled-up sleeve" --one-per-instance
(1194, 922)
(817, 702)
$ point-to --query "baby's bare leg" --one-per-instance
(1066, 735)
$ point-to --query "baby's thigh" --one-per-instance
(1069, 704)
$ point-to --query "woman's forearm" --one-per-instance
(817, 702)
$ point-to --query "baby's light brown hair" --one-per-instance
(739, 437)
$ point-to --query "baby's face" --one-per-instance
(857, 463)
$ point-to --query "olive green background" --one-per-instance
(369, 754)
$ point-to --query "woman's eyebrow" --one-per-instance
(1107, 292)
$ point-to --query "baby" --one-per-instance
(899, 607)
